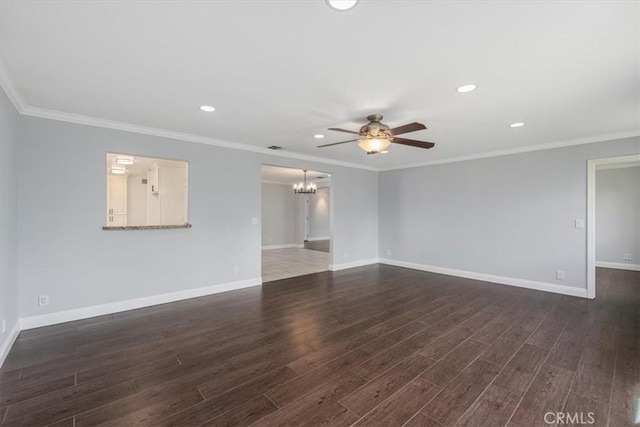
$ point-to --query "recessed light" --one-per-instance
(466, 88)
(207, 108)
(318, 136)
(341, 4)
(516, 125)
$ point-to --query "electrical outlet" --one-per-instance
(43, 300)
(560, 275)
(4, 325)
(626, 257)
(235, 271)
(387, 252)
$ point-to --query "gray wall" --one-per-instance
(618, 215)
(8, 215)
(64, 253)
(319, 213)
(509, 216)
(280, 215)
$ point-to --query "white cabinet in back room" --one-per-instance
(116, 200)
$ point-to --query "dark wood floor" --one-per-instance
(376, 345)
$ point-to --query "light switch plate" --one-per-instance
(254, 220)
(579, 223)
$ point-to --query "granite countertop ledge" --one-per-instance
(147, 227)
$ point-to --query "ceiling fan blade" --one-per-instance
(413, 142)
(344, 130)
(411, 127)
(336, 143)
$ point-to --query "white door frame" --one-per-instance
(592, 166)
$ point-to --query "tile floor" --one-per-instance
(282, 263)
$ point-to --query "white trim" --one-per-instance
(7, 84)
(9, 341)
(9, 87)
(116, 307)
(286, 246)
(527, 149)
(592, 166)
(619, 166)
(353, 264)
(618, 265)
(511, 281)
(313, 239)
(163, 133)
(128, 127)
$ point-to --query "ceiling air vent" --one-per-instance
(275, 147)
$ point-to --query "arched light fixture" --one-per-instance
(341, 4)
(303, 187)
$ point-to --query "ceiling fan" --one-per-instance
(375, 136)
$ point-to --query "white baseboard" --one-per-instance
(8, 343)
(116, 307)
(313, 239)
(521, 283)
(286, 246)
(337, 267)
(618, 265)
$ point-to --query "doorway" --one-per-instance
(619, 237)
(296, 226)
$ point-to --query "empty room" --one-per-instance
(319, 212)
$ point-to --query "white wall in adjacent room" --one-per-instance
(319, 214)
(136, 200)
(511, 216)
(281, 215)
(618, 215)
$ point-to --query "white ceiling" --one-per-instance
(279, 72)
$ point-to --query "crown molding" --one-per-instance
(6, 82)
(163, 133)
(519, 150)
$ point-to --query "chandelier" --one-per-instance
(303, 187)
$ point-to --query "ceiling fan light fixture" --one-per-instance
(341, 5)
(318, 136)
(374, 145)
(466, 88)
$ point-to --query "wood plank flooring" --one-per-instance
(375, 345)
